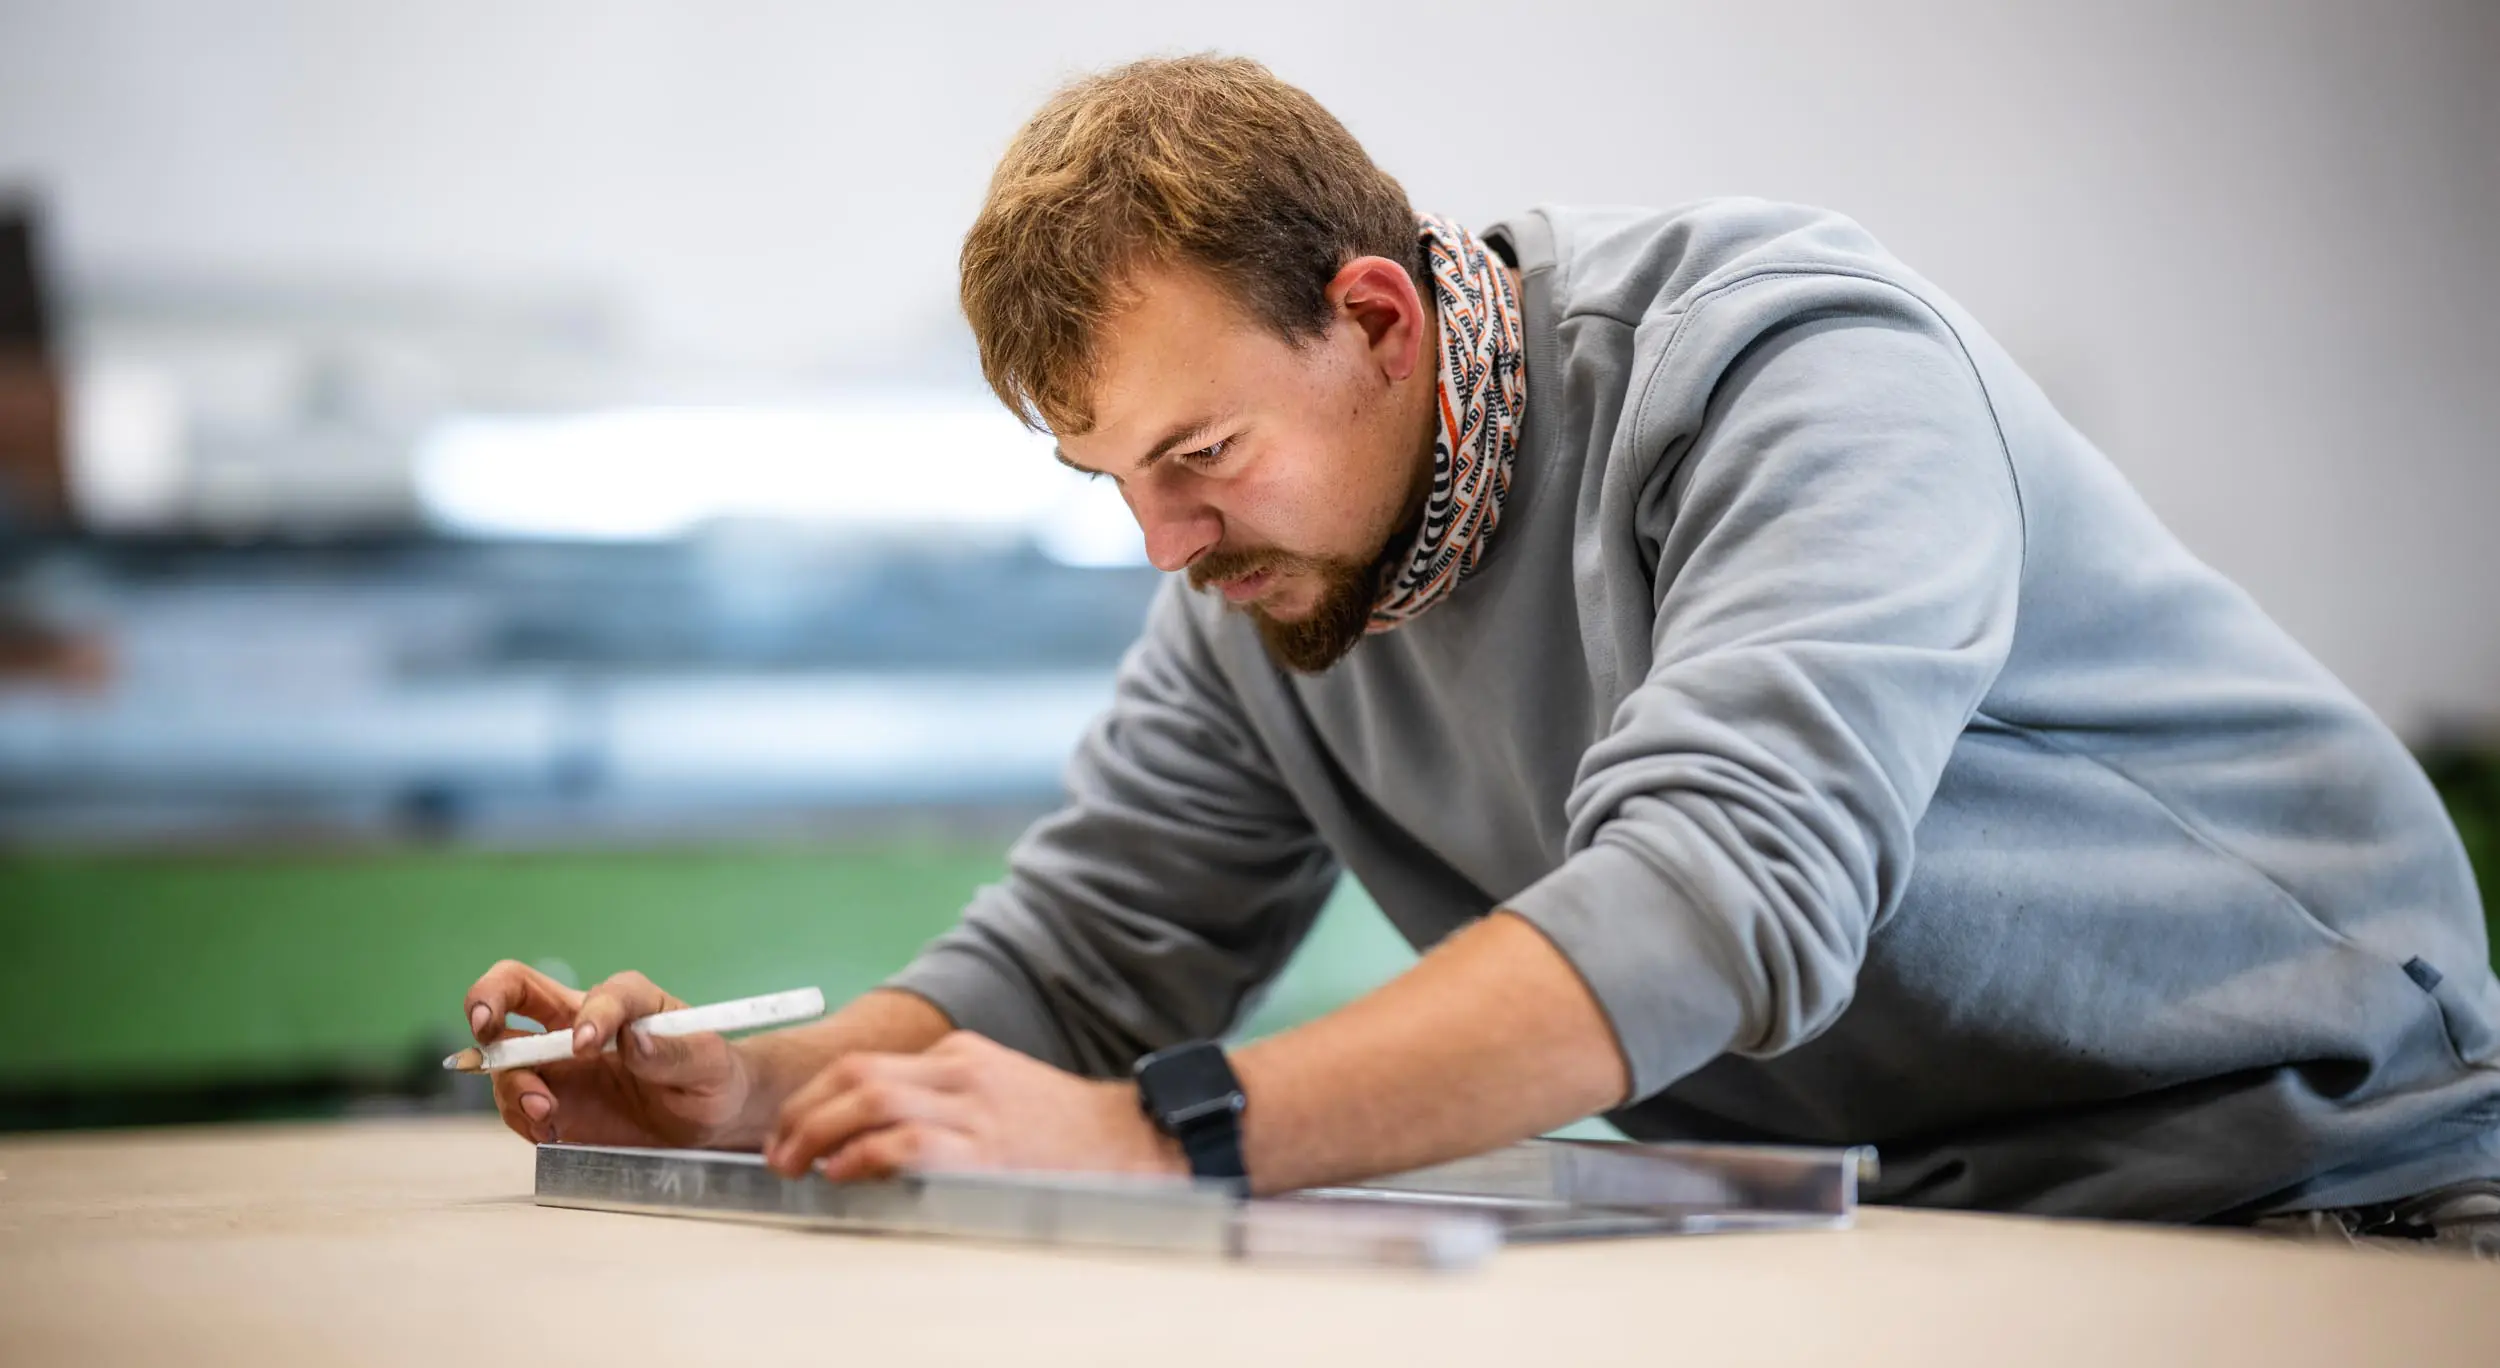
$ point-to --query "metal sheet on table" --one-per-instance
(1447, 1215)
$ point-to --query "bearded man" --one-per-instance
(1775, 722)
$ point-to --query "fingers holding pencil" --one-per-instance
(625, 1063)
(579, 1025)
(581, 1042)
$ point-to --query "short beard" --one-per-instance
(1335, 624)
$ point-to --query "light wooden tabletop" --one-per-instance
(416, 1242)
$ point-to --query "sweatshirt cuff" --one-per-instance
(1666, 981)
(980, 994)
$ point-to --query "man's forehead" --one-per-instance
(1172, 321)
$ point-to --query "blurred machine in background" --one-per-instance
(495, 691)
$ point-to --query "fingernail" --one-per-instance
(477, 1019)
(642, 1042)
(584, 1036)
(537, 1105)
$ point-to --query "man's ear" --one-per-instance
(1375, 294)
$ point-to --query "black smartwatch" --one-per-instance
(1189, 1092)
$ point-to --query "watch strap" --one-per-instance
(1214, 1149)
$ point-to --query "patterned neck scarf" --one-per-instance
(1483, 390)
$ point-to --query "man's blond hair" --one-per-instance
(1205, 162)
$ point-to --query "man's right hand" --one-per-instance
(677, 1091)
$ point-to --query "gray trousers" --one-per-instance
(2463, 1217)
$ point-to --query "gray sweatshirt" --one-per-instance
(1885, 768)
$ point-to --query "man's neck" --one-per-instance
(1427, 377)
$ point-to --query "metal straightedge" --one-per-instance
(1448, 1216)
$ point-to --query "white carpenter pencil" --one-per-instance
(745, 1014)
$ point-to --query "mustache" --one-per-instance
(1216, 567)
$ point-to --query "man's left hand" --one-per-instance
(966, 1102)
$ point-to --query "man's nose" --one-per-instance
(1179, 529)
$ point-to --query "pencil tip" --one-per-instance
(465, 1061)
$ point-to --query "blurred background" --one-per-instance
(509, 479)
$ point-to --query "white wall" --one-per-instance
(2250, 246)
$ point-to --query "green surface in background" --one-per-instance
(138, 971)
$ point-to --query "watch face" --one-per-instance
(1187, 1084)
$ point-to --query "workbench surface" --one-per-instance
(417, 1242)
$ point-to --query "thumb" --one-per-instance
(676, 1061)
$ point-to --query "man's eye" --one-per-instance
(1207, 455)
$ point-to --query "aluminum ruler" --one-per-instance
(1448, 1216)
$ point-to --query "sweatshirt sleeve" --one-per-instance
(1171, 887)
(1839, 553)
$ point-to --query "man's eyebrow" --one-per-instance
(1180, 435)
